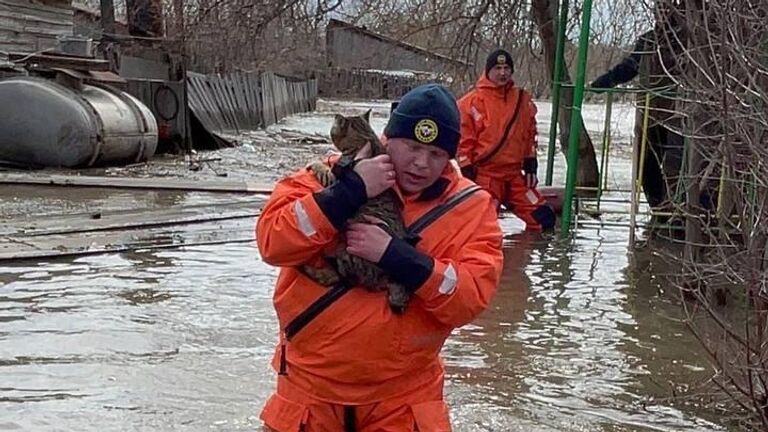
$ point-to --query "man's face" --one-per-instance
(500, 74)
(417, 165)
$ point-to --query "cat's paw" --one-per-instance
(322, 173)
(325, 276)
(398, 298)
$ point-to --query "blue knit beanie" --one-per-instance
(428, 114)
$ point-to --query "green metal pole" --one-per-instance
(557, 77)
(574, 134)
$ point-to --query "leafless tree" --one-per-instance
(722, 105)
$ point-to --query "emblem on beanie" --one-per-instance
(501, 59)
(425, 131)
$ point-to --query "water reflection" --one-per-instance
(198, 357)
(578, 338)
(572, 344)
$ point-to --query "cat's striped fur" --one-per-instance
(349, 135)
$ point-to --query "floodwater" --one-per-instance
(580, 337)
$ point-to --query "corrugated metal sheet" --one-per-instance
(32, 25)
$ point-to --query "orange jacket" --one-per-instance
(357, 351)
(485, 112)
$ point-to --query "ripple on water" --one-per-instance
(162, 340)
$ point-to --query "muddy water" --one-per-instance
(580, 337)
(576, 340)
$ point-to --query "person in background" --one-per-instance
(498, 142)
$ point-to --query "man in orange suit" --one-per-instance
(498, 142)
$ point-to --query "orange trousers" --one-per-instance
(527, 204)
(292, 410)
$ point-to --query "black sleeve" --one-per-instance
(619, 74)
(629, 67)
(341, 200)
(405, 265)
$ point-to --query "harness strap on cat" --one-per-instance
(335, 293)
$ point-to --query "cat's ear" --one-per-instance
(339, 119)
(367, 115)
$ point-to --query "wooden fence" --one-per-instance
(361, 83)
(228, 104)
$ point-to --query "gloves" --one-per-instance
(601, 83)
(530, 167)
(343, 199)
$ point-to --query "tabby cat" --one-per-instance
(349, 135)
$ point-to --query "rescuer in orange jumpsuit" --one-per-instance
(345, 360)
(498, 142)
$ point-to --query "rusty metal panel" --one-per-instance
(140, 68)
(167, 102)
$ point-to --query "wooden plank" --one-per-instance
(48, 31)
(229, 87)
(36, 10)
(293, 94)
(242, 104)
(138, 183)
(198, 86)
(240, 101)
(219, 103)
(198, 107)
(287, 97)
(248, 108)
(223, 101)
(284, 97)
(208, 99)
(197, 104)
(238, 95)
(129, 219)
(229, 93)
(253, 119)
(267, 99)
(277, 93)
(253, 106)
(21, 45)
(78, 244)
(256, 90)
(226, 99)
(208, 90)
